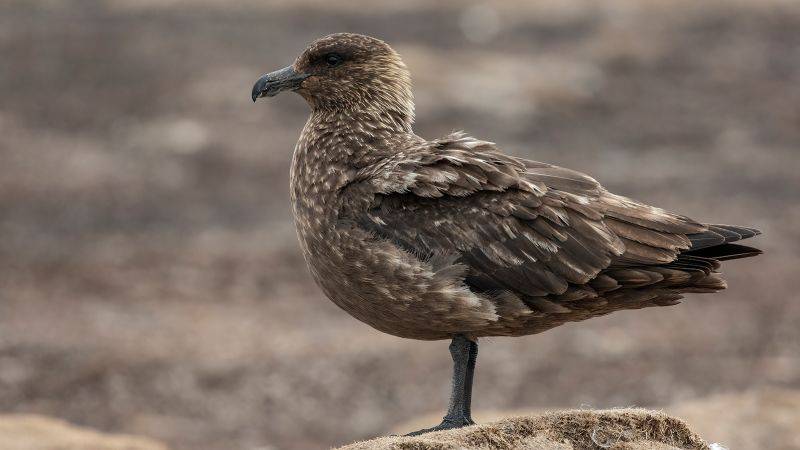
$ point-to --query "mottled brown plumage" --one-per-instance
(426, 239)
(432, 239)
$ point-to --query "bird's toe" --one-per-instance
(448, 423)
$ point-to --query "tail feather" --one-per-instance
(726, 252)
(718, 235)
(744, 232)
(695, 270)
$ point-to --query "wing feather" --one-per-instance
(525, 226)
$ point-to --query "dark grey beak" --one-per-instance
(273, 83)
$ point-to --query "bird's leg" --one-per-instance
(459, 414)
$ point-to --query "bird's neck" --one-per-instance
(397, 118)
(331, 150)
(334, 146)
(384, 104)
(352, 137)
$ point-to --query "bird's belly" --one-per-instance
(390, 289)
(399, 294)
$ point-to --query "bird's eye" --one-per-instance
(333, 59)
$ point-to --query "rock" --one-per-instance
(33, 432)
(617, 429)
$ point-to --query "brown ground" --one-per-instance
(760, 418)
(150, 280)
(33, 432)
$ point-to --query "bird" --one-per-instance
(452, 238)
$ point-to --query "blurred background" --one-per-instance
(150, 278)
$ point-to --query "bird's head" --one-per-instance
(345, 71)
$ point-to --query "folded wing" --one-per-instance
(532, 228)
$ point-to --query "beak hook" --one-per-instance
(273, 83)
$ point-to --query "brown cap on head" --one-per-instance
(345, 71)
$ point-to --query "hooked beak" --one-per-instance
(273, 83)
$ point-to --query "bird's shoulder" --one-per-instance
(461, 169)
(459, 165)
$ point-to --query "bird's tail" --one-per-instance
(716, 242)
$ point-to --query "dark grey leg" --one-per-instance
(459, 414)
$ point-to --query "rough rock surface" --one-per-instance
(616, 429)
